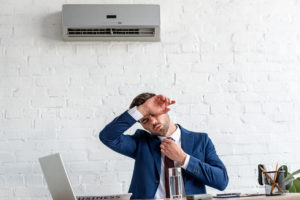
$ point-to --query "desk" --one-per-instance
(287, 196)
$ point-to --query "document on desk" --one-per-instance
(106, 197)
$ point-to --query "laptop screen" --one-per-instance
(56, 177)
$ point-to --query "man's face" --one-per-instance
(157, 124)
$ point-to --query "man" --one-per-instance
(161, 145)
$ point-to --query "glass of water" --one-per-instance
(175, 183)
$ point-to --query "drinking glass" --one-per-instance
(175, 183)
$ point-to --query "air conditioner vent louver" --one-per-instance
(111, 32)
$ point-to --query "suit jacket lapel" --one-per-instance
(155, 149)
(187, 143)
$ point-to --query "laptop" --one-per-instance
(59, 184)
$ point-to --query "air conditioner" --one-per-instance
(138, 22)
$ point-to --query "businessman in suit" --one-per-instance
(163, 144)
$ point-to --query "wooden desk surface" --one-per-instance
(287, 196)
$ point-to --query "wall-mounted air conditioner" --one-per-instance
(137, 22)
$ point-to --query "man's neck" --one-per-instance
(172, 129)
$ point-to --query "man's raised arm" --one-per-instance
(113, 137)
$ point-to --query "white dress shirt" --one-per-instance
(161, 191)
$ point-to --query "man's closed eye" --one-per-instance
(145, 121)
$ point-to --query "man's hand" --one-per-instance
(155, 105)
(169, 148)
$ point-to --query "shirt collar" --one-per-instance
(175, 135)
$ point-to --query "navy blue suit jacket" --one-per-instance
(204, 168)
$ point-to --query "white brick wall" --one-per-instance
(232, 67)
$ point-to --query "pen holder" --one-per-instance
(269, 184)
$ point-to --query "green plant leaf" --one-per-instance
(296, 185)
(296, 172)
(289, 177)
(292, 189)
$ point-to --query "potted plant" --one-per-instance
(291, 183)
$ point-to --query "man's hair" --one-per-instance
(140, 99)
